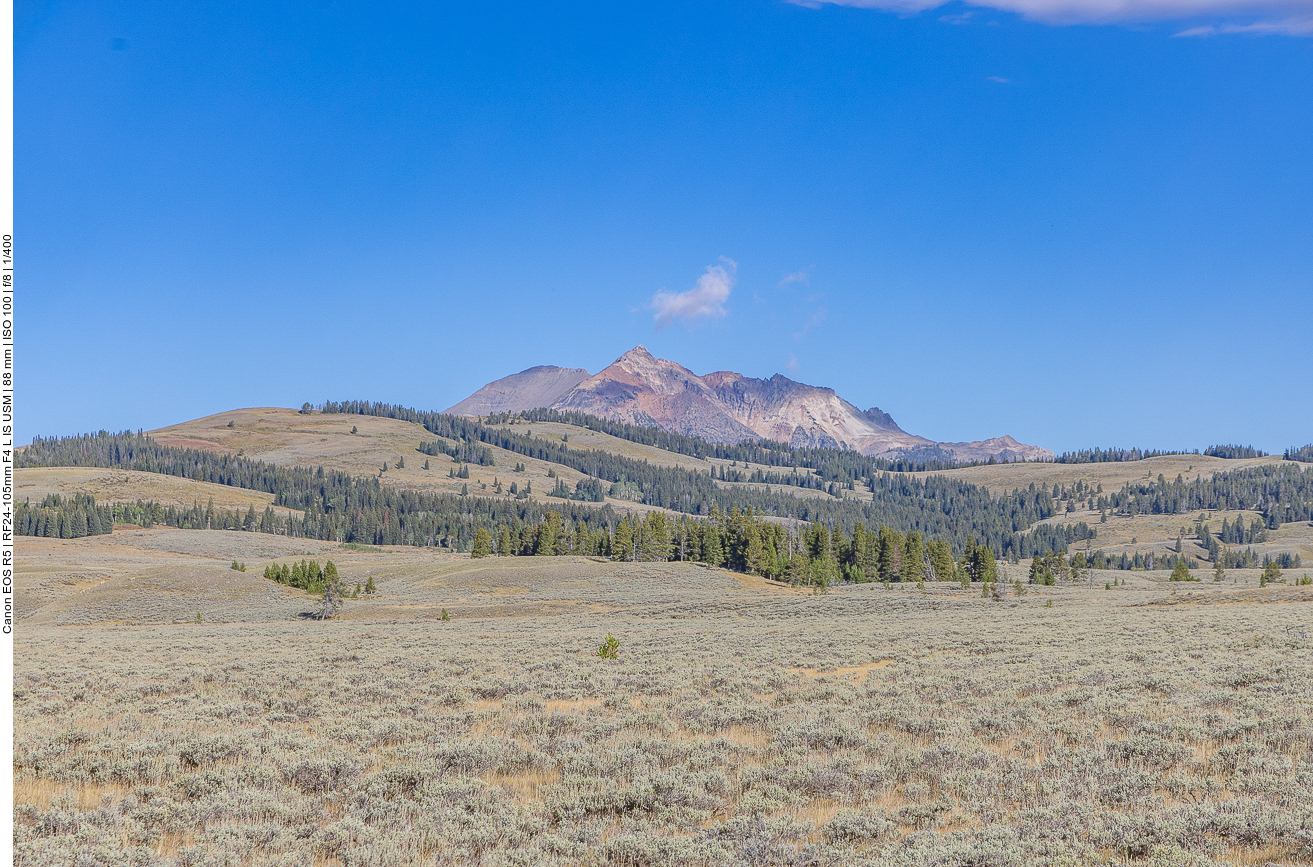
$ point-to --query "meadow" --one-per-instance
(741, 723)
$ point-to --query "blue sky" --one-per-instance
(1080, 223)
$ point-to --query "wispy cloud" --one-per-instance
(1298, 25)
(1288, 17)
(705, 300)
(997, 79)
(802, 277)
(817, 317)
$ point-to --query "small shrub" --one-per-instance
(610, 648)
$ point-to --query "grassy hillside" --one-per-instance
(126, 486)
(1112, 475)
(288, 438)
(559, 451)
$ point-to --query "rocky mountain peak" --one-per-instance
(724, 407)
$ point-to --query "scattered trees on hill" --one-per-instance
(334, 505)
(1303, 453)
(1234, 451)
(307, 575)
(460, 452)
(62, 517)
(1114, 455)
(1282, 492)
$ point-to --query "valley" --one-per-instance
(175, 707)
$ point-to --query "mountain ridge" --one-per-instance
(725, 407)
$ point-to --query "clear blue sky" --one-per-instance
(1036, 218)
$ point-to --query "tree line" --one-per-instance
(934, 506)
(1281, 492)
(1303, 453)
(1113, 455)
(817, 556)
(62, 517)
(338, 506)
(1234, 451)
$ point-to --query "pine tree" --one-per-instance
(333, 594)
(482, 546)
(913, 555)
(622, 545)
(941, 559)
(890, 553)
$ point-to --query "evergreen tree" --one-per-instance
(482, 546)
(332, 592)
(547, 538)
(890, 554)
(622, 545)
(913, 555)
(941, 559)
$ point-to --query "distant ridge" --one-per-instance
(726, 407)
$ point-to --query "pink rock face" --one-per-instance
(727, 407)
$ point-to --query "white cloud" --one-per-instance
(1291, 17)
(802, 277)
(817, 317)
(997, 79)
(1299, 25)
(706, 299)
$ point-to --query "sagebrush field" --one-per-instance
(742, 722)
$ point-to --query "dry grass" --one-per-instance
(1001, 478)
(285, 437)
(117, 486)
(739, 725)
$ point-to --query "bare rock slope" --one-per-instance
(528, 389)
(726, 407)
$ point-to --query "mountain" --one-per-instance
(725, 407)
(528, 389)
